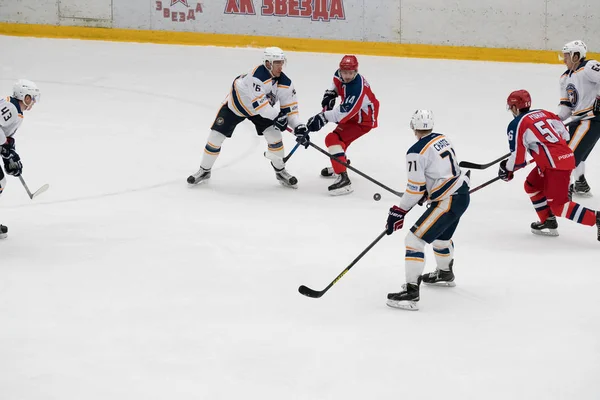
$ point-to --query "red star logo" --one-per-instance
(184, 2)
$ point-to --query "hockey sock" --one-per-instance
(275, 146)
(337, 148)
(540, 204)
(414, 259)
(212, 149)
(580, 170)
(443, 250)
(578, 213)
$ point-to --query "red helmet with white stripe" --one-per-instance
(349, 63)
(519, 98)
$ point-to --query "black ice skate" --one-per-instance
(440, 277)
(4, 231)
(285, 178)
(581, 187)
(328, 172)
(341, 186)
(200, 176)
(405, 299)
(548, 228)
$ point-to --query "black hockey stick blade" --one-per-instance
(472, 165)
(308, 292)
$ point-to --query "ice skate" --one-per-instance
(406, 299)
(547, 228)
(341, 186)
(285, 178)
(201, 176)
(581, 187)
(440, 277)
(4, 232)
(328, 172)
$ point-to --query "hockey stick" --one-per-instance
(490, 182)
(315, 294)
(472, 165)
(351, 168)
(37, 192)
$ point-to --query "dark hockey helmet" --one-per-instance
(519, 98)
(349, 63)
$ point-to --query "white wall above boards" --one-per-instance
(96, 13)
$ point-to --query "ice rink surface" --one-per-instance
(121, 282)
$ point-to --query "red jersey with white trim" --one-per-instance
(358, 102)
(543, 135)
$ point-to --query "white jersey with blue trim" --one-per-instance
(257, 92)
(579, 89)
(431, 166)
(11, 118)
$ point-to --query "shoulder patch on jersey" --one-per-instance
(512, 126)
(422, 143)
(15, 103)
(284, 80)
(261, 72)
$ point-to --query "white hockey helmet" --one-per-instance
(422, 120)
(24, 87)
(576, 46)
(273, 54)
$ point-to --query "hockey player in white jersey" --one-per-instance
(254, 96)
(25, 95)
(580, 103)
(434, 176)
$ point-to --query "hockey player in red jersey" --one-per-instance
(356, 115)
(544, 136)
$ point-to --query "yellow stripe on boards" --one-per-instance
(290, 44)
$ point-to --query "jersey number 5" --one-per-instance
(548, 134)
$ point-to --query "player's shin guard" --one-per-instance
(275, 147)
(414, 258)
(579, 170)
(212, 149)
(443, 250)
(538, 199)
(443, 274)
(575, 212)
(337, 148)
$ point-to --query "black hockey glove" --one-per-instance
(12, 161)
(317, 122)
(504, 173)
(281, 122)
(328, 101)
(395, 219)
(597, 106)
(302, 137)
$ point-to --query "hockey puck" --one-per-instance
(376, 197)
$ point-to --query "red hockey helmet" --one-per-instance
(349, 63)
(519, 98)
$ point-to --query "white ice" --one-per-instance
(121, 282)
